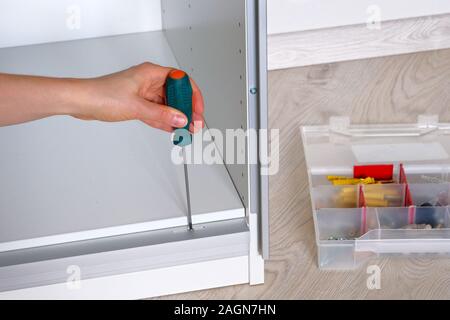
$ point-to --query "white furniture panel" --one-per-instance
(107, 198)
(148, 283)
(93, 179)
(24, 22)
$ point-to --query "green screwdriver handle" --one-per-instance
(179, 96)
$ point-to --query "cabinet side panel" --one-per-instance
(208, 39)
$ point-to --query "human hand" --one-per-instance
(137, 93)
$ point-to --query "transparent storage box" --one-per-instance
(406, 215)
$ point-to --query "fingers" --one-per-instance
(198, 108)
(159, 125)
(153, 112)
(197, 123)
(81, 117)
(166, 118)
(155, 72)
(156, 99)
(195, 126)
(154, 76)
(197, 98)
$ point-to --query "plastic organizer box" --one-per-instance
(407, 215)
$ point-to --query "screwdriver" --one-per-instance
(179, 96)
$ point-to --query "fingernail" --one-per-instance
(198, 124)
(179, 121)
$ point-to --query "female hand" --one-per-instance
(137, 93)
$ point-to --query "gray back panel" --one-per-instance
(208, 39)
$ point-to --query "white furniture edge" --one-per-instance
(145, 284)
(120, 230)
(358, 42)
(247, 269)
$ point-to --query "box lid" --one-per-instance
(338, 146)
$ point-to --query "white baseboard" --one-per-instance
(358, 42)
(301, 15)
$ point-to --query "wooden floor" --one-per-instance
(392, 89)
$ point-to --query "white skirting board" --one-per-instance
(63, 179)
(301, 15)
(145, 284)
(320, 46)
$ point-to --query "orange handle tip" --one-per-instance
(177, 74)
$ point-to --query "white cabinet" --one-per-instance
(105, 201)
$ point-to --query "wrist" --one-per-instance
(76, 98)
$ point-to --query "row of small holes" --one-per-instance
(190, 29)
(242, 126)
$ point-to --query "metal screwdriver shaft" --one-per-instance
(188, 194)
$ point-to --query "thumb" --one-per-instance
(150, 111)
